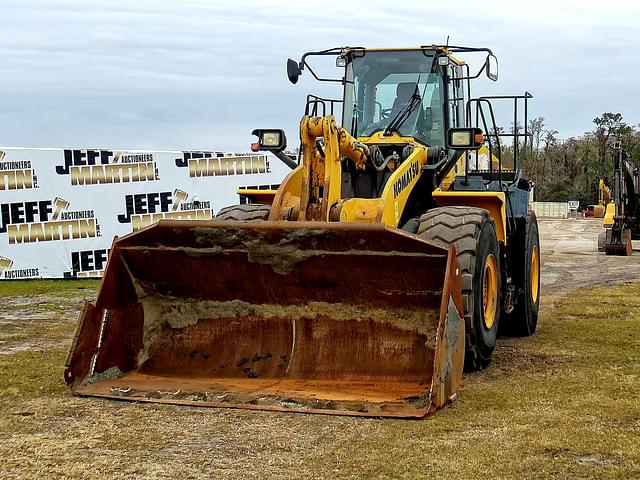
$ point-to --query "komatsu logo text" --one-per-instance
(408, 176)
(90, 167)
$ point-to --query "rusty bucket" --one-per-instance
(348, 319)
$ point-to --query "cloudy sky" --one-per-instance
(159, 74)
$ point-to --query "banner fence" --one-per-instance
(61, 208)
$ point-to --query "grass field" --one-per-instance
(564, 403)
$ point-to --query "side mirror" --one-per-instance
(270, 140)
(293, 71)
(465, 138)
(492, 67)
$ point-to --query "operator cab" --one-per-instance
(382, 85)
(395, 98)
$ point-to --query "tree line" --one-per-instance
(570, 169)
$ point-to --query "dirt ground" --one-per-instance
(536, 412)
(570, 257)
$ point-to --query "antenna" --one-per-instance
(447, 40)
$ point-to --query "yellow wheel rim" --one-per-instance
(490, 291)
(535, 273)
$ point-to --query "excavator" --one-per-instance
(622, 217)
(604, 198)
(382, 267)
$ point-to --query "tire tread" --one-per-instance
(460, 226)
(244, 213)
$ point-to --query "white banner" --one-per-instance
(60, 209)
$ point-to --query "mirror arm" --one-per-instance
(320, 79)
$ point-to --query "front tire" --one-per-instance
(472, 231)
(244, 213)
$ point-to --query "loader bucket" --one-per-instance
(348, 319)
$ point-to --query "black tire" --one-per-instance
(523, 320)
(602, 237)
(473, 233)
(244, 213)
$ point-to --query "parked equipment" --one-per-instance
(622, 217)
(604, 198)
(386, 261)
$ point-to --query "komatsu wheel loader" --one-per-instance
(385, 262)
(622, 217)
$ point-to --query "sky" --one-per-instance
(196, 74)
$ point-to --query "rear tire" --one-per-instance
(523, 320)
(244, 213)
(472, 232)
(602, 238)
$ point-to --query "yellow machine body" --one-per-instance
(289, 314)
(610, 212)
(325, 307)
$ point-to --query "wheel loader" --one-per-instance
(385, 263)
(622, 216)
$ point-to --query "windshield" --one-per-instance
(383, 84)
